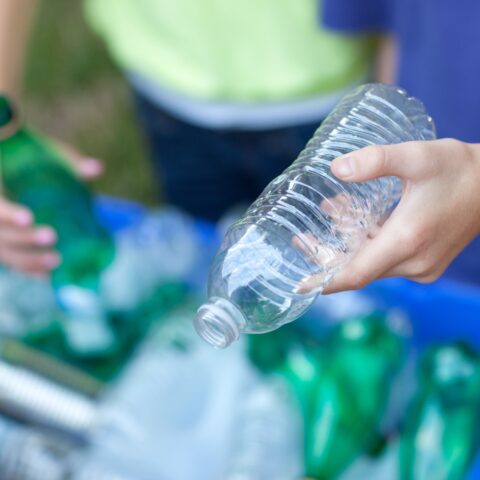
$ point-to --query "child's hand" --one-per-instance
(22, 246)
(438, 215)
(30, 248)
(86, 168)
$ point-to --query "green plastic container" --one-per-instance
(34, 174)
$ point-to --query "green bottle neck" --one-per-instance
(9, 119)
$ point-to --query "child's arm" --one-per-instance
(16, 17)
(22, 245)
(19, 240)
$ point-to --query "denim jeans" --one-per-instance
(206, 171)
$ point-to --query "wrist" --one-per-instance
(474, 149)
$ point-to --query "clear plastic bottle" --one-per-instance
(306, 224)
(28, 454)
(171, 413)
(269, 436)
(162, 247)
(27, 304)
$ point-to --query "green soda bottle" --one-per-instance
(442, 431)
(34, 174)
(351, 395)
(291, 354)
(269, 352)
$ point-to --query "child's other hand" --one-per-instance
(28, 247)
(23, 246)
(87, 168)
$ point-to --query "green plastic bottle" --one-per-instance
(292, 354)
(349, 400)
(269, 352)
(442, 431)
(341, 382)
(34, 174)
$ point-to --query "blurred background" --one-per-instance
(86, 102)
(102, 376)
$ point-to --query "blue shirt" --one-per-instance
(439, 62)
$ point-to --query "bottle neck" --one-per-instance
(9, 121)
(219, 322)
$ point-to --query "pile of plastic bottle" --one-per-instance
(340, 394)
(102, 376)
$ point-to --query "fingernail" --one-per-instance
(23, 218)
(343, 167)
(51, 261)
(91, 166)
(45, 236)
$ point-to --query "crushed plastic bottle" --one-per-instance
(268, 435)
(174, 392)
(306, 225)
(162, 247)
(28, 454)
(27, 304)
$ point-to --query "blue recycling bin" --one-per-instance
(444, 311)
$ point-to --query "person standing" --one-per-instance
(228, 93)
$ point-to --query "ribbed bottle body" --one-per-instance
(306, 224)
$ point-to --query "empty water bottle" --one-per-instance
(306, 224)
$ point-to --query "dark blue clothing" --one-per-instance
(439, 53)
(439, 62)
(206, 171)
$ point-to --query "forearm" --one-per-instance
(15, 20)
(386, 62)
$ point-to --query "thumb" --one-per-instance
(87, 168)
(400, 160)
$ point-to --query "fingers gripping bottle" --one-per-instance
(306, 224)
(35, 175)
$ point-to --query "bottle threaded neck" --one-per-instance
(219, 322)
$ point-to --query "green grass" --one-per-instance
(75, 94)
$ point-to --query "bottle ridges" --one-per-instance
(308, 198)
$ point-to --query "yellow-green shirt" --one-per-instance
(247, 51)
